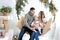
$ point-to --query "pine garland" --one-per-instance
(50, 5)
(19, 7)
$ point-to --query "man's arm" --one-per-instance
(26, 23)
(32, 24)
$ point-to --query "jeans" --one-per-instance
(23, 31)
(35, 35)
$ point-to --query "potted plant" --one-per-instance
(44, 1)
(52, 8)
(5, 10)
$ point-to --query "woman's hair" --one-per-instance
(41, 13)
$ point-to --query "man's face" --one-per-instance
(32, 11)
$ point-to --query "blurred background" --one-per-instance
(25, 8)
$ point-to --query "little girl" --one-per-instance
(36, 24)
(37, 28)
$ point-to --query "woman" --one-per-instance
(40, 24)
(42, 19)
(48, 28)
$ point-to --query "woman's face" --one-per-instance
(43, 16)
(39, 15)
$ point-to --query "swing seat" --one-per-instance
(45, 29)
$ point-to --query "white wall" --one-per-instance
(57, 33)
(38, 7)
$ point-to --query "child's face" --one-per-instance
(36, 18)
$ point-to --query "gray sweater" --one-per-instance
(28, 19)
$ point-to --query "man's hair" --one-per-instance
(32, 8)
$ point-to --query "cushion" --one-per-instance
(20, 22)
(47, 27)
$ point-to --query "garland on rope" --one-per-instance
(50, 5)
(19, 6)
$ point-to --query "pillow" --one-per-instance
(47, 27)
(20, 22)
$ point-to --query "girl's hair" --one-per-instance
(41, 13)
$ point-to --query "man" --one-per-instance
(27, 23)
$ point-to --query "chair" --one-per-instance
(45, 29)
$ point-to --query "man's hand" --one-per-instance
(32, 29)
